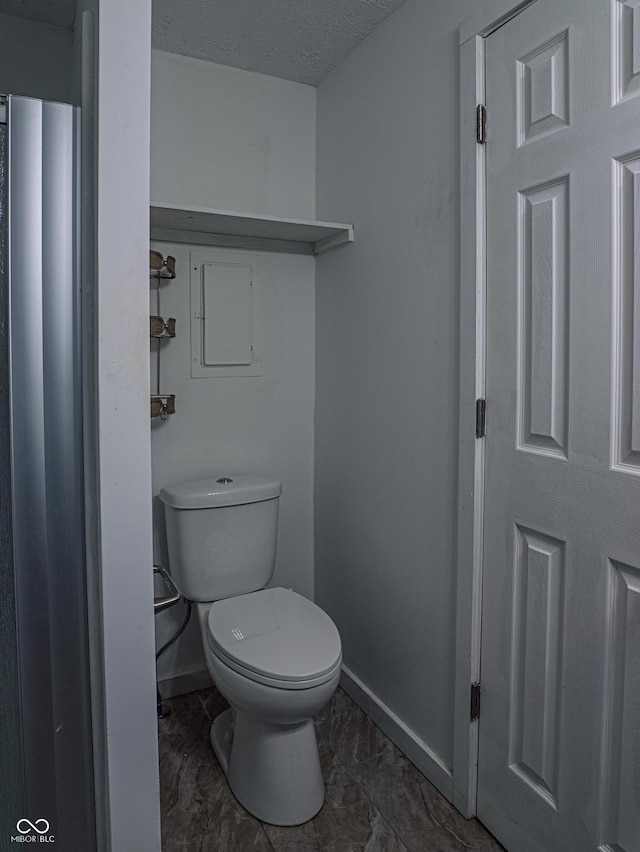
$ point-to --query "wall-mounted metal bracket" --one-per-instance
(160, 327)
(162, 405)
(160, 267)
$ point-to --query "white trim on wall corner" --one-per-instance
(485, 20)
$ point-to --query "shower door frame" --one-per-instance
(45, 477)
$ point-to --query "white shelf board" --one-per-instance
(176, 224)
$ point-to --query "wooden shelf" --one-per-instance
(176, 224)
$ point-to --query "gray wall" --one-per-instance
(387, 366)
(230, 139)
(35, 59)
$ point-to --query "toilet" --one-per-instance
(273, 654)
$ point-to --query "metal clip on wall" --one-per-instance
(159, 267)
(162, 405)
(160, 327)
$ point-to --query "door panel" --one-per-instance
(559, 761)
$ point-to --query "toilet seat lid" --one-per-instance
(276, 634)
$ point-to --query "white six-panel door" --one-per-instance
(559, 760)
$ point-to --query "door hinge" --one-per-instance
(481, 418)
(481, 124)
(475, 700)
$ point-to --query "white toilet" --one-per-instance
(274, 655)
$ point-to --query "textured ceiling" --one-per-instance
(59, 12)
(299, 40)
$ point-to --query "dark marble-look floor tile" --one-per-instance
(185, 712)
(348, 731)
(186, 771)
(224, 827)
(473, 838)
(420, 815)
(212, 702)
(347, 822)
(227, 837)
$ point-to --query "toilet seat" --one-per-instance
(275, 637)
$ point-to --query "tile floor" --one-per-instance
(376, 800)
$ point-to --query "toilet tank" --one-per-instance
(221, 534)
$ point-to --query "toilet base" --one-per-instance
(273, 770)
(221, 736)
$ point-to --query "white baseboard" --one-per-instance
(409, 744)
(183, 683)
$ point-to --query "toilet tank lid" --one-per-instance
(217, 491)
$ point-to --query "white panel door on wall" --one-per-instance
(559, 759)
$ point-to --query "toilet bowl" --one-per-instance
(276, 658)
(273, 654)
